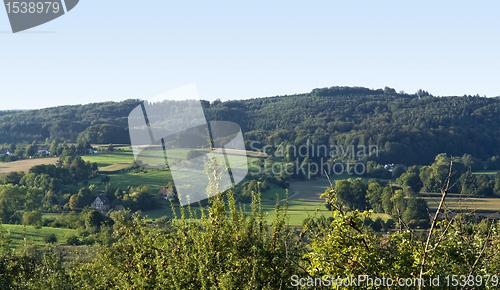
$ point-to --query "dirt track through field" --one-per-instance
(25, 165)
(291, 196)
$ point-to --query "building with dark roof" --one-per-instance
(101, 203)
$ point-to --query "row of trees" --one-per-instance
(134, 198)
(47, 181)
(54, 148)
(430, 178)
(19, 152)
(414, 179)
(383, 198)
(23, 197)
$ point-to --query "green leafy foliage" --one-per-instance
(50, 238)
(225, 249)
(350, 247)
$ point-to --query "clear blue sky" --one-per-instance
(115, 50)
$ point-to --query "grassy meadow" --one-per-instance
(303, 202)
(491, 173)
(155, 178)
(18, 233)
(111, 158)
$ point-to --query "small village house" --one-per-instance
(101, 203)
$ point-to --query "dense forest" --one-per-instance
(65, 122)
(407, 128)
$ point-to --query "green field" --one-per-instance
(491, 173)
(304, 195)
(115, 167)
(18, 233)
(107, 159)
(297, 211)
(155, 178)
(127, 156)
(300, 206)
(269, 195)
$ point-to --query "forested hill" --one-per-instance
(65, 122)
(409, 129)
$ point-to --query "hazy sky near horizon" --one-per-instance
(115, 50)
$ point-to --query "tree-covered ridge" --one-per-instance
(407, 128)
(64, 122)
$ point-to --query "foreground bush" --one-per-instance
(224, 249)
(453, 246)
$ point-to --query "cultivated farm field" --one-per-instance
(25, 165)
(457, 203)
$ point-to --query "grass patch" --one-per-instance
(383, 216)
(491, 173)
(155, 178)
(115, 168)
(298, 210)
(269, 195)
(107, 159)
(301, 206)
(104, 160)
(18, 233)
(51, 215)
(158, 213)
